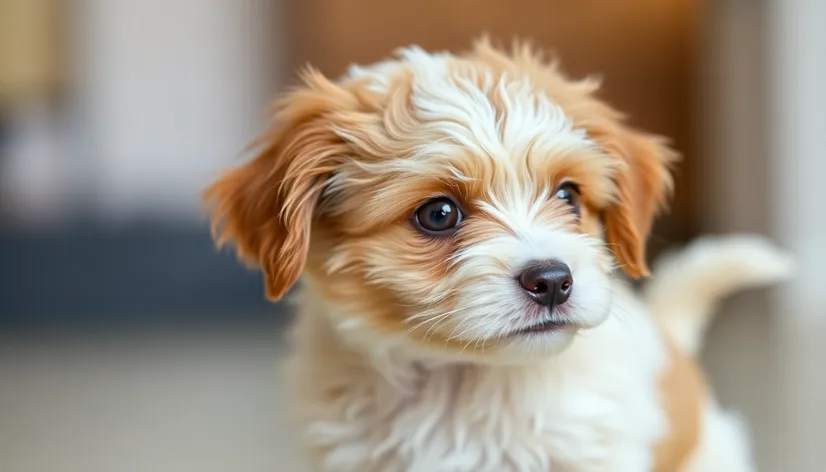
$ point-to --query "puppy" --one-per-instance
(458, 220)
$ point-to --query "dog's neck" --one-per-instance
(400, 377)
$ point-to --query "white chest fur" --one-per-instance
(592, 408)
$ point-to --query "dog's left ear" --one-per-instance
(643, 184)
(266, 206)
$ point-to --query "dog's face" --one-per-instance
(473, 205)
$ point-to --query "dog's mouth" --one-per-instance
(545, 326)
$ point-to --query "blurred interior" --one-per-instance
(114, 116)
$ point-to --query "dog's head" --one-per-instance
(471, 204)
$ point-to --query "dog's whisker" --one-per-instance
(426, 321)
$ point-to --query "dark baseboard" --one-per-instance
(125, 277)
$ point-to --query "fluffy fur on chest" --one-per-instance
(596, 407)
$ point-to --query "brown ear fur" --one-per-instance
(643, 184)
(266, 206)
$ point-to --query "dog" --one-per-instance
(462, 223)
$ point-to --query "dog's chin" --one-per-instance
(543, 338)
(520, 346)
(537, 342)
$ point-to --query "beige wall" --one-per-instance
(798, 201)
(765, 118)
(170, 91)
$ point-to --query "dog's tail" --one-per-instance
(688, 285)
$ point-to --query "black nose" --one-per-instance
(548, 283)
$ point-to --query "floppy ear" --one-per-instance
(266, 206)
(643, 185)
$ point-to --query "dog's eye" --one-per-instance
(438, 216)
(569, 193)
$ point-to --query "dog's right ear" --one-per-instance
(643, 184)
(265, 207)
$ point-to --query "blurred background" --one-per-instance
(128, 343)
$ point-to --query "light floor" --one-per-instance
(150, 403)
(211, 400)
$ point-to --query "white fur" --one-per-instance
(591, 408)
(724, 445)
(491, 303)
(369, 404)
(455, 127)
